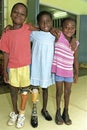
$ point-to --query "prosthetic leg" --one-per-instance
(21, 117)
(34, 117)
(24, 92)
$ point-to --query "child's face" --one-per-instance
(18, 15)
(45, 23)
(68, 28)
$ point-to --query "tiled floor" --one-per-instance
(77, 109)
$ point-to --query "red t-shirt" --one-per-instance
(17, 44)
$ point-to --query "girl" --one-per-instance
(42, 56)
(65, 68)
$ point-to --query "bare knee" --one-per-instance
(67, 92)
(59, 92)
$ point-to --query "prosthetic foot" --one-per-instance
(34, 117)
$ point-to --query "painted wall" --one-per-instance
(10, 3)
(73, 6)
(83, 39)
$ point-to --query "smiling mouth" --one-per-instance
(46, 28)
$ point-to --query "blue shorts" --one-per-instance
(65, 79)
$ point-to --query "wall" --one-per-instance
(73, 6)
(33, 10)
(83, 39)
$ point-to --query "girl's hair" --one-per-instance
(20, 4)
(67, 19)
(43, 13)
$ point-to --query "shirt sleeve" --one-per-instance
(77, 42)
(31, 36)
(4, 46)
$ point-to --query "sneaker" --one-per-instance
(46, 115)
(13, 118)
(20, 121)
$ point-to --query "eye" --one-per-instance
(65, 27)
(73, 28)
(23, 14)
(15, 11)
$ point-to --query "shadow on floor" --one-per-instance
(82, 71)
(4, 88)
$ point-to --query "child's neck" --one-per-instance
(69, 39)
(14, 27)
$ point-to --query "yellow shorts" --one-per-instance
(19, 77)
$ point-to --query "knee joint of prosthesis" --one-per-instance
(24, 91)
(34, 95)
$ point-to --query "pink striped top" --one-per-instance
(63, 58)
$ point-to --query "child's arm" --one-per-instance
(73, 44)
(5, 66)
(8, 27)
(56, 33)
(32, 27)
(76, 66)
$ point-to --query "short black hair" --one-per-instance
(67, 19)
(43, 13)
(19, 4)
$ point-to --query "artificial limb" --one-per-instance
(24, 97)
(34, 117)
(24, 92)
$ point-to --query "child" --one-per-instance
(42, 57)
(15, 44)
(65, 68)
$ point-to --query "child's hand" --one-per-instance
(75, 78)
(73, 44)
(8, 27)
(55, 32)
(33, 28)
(6, 77)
